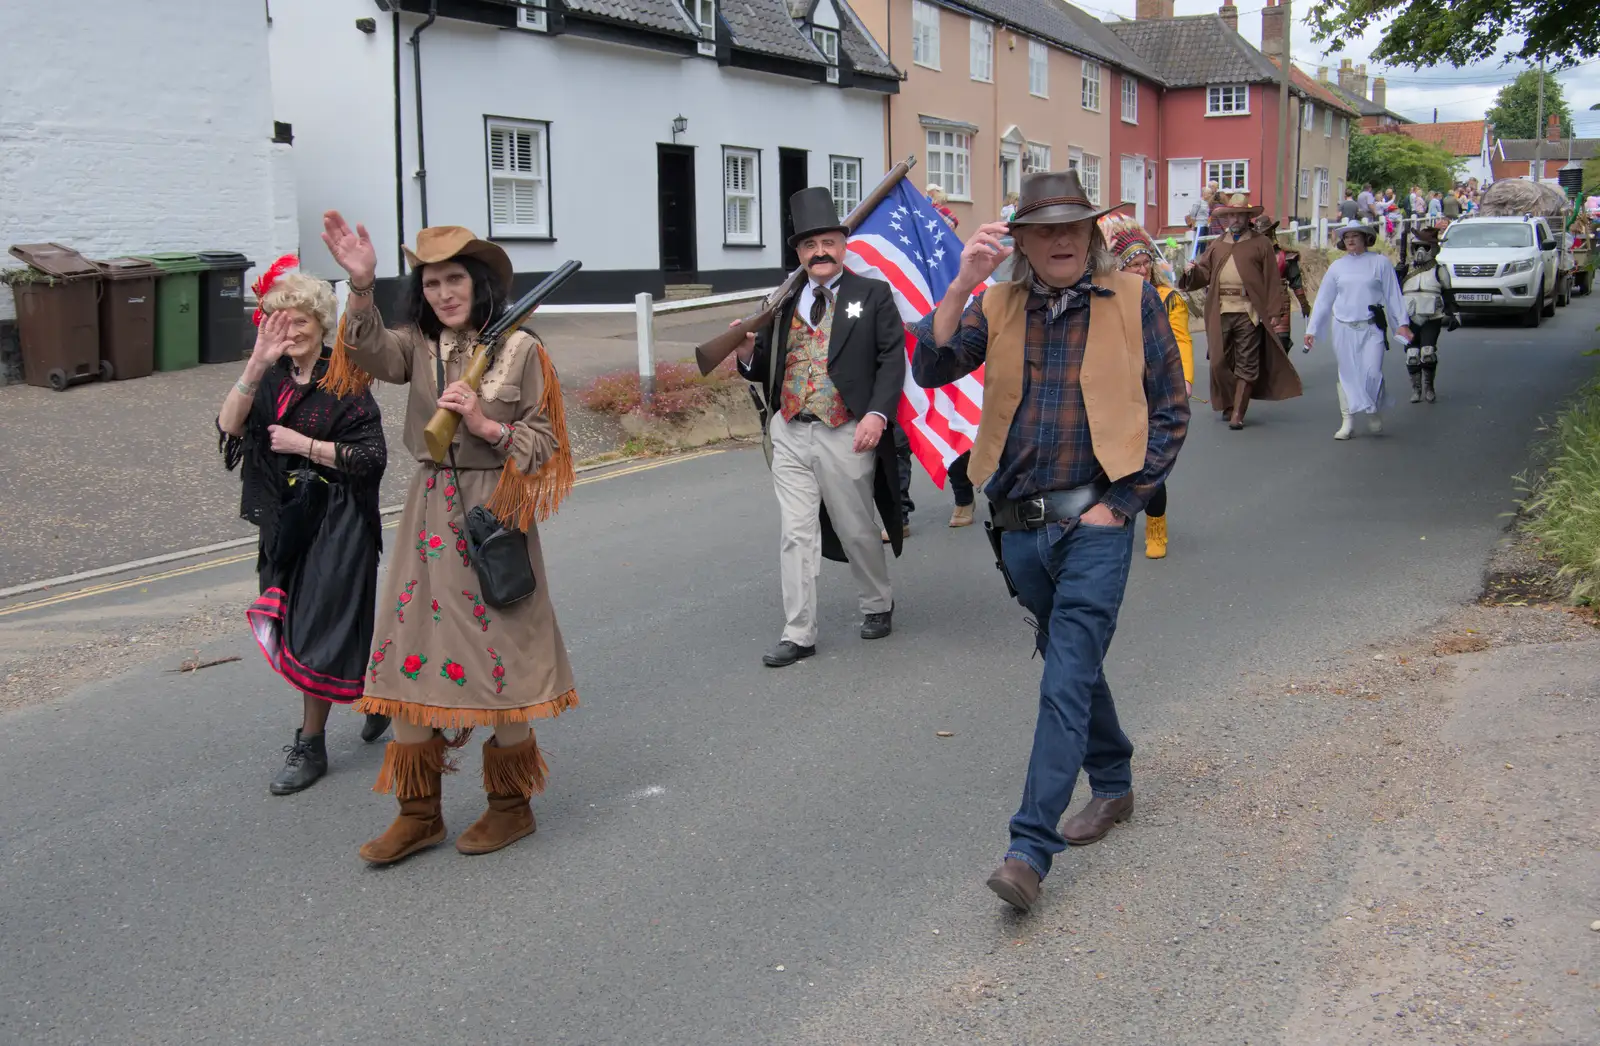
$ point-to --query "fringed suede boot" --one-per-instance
(412, 772)
(510, 776)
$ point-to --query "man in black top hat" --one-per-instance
(831, 369)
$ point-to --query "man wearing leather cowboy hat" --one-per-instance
(1241, 270)
(1084, 410)
(831, 369)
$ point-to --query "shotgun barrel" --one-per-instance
(719, 348)
(441, 429)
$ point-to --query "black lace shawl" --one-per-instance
(353, 423)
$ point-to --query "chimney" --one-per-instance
(1322, 74)
(1552, 132)
(1360, 80)
(1380, 91)
(1272, 30)
(1347, 76)
(1230, 15)
(1149, 10)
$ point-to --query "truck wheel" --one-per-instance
(1536, 310)
(1549, 306)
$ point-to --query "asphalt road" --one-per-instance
(731, 854)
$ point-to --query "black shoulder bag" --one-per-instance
(499, 553)
(300, 512)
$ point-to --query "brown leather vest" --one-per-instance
(1112, 376)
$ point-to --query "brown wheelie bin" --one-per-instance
(128, 316)
(58, 316)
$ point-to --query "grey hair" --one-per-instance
(312, 296)
(1100, 258)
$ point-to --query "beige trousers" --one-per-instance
(814, 465)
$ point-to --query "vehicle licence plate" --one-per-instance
(1474, 297)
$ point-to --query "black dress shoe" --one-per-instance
(786, 653)
(876, 626)
(307, 761)
(374, 727)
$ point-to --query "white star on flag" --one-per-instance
(932, 225)
(905, 240)
(895, 226)
(853, 310)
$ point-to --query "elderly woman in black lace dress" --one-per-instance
(311, 443)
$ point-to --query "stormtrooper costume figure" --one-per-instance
(1358, 302)
(1431, 307)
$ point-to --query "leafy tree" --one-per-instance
(1591, 176)
(1425, 33)
(1393, 160)
(1516, 108)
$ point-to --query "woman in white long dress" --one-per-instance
(1352, 286)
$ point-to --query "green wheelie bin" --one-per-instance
(177, 309)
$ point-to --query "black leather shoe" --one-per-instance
(876, 626)
(307, 761)
(374, 727)
(786, 653)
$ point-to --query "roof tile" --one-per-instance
(1460, 137)
(1195, 50)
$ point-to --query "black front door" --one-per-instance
(675, 198)
(791, 179)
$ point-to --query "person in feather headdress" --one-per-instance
(296, 434)
(1136, 253)
(444, 659)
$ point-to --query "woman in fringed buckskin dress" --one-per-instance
(442, 659)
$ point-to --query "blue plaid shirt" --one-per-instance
(1048, 447)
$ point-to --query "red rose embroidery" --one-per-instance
(405, 597)
(377, 659)
(429, 484)
(436, 542)
(479, 611)
(450, 491)
(413, 665)
(454, 672)
(403, 601)
(461, 545)
(434, 606)
(377, 656)
(498, 672)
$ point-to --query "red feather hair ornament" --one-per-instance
(263, 285)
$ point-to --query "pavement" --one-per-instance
(107, 474)
(1347, 832)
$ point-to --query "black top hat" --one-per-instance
(1055, 198)
(813, 212)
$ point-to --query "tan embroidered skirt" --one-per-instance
(442, 657)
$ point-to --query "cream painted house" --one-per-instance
(997, 88)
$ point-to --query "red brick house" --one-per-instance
(1219, 109)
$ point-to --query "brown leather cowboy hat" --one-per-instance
(1055, 198)
(441, 243)
(1238, 202)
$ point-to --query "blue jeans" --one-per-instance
(1072, 580)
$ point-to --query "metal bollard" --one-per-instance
(645, 328)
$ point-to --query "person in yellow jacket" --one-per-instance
(1136, 253)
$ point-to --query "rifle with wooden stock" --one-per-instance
(441, 430)
(713, 352)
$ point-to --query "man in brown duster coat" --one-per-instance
(1241, 270)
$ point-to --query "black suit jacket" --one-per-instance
(867, 362)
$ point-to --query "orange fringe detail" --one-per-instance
(343, 378)
(519, 500)
(465, 718)
(412, 771)
(519, 769)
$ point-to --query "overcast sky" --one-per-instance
(1458, 93)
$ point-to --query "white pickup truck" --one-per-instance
(1506, 264)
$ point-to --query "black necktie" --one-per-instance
(819, 304)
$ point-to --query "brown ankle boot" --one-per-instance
(510, 775)
(1241, 403)
(412, 772)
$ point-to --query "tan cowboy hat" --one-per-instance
(1239, 201)
(1055, 198)
(444, 242)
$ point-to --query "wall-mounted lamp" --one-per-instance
(680, 124)
(367, 25)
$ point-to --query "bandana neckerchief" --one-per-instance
(1058, 300)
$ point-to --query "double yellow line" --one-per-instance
(229, 560)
